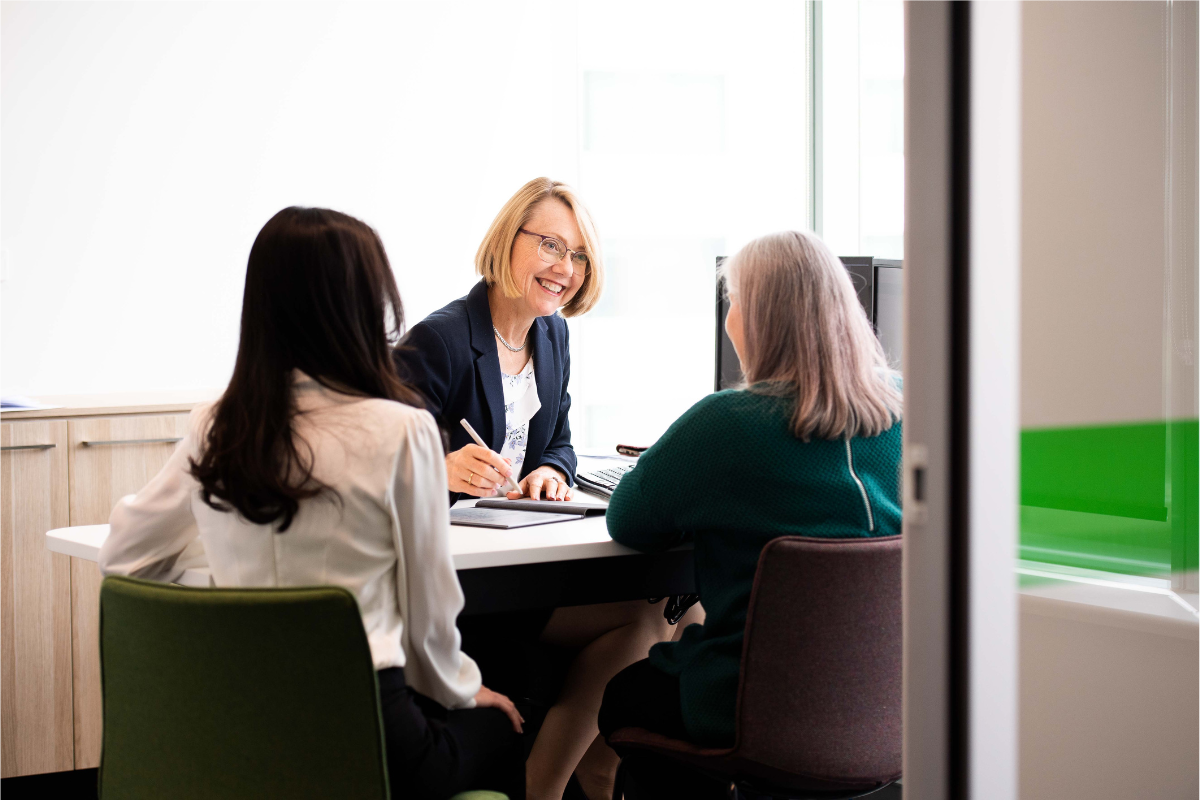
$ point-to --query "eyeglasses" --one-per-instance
(552, 251)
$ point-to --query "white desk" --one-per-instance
(564, 563)
(471, 548)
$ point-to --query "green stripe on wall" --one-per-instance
(1121, 498)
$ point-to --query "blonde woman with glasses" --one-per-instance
(500, 359)
(809, 446)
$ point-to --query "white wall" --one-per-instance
(1095, 275)
(1108, 699)
(145, 144)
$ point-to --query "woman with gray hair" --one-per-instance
(810, 445)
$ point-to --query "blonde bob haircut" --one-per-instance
(807, 338)
(493, 260)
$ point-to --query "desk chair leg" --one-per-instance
(619, 785)
(619, 781)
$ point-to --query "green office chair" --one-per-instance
(238, 693)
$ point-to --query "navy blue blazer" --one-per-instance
(450, 358)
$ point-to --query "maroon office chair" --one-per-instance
(818, 707)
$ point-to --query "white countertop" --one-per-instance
(471, 548)
(80, 405)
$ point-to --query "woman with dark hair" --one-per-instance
(318, 466)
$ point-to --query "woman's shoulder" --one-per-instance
(392, 415)
(375, 430)
(718, 402)
(556, 331)
(199, 421)
(714, 431)
(556, 325)
(448, 322)
(742, 404)
(443, 335)
(890, 438)
(201, 416)
(713, 417)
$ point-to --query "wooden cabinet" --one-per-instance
(60, 467)
(36, 730)
(110, 457)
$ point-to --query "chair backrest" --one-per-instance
(820, 685)
(237, 693)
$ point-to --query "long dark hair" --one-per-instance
(321, 298)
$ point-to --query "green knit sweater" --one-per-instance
(730, 476)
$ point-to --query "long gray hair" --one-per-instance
(806, 337)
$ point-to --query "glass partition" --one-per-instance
(1109, 440)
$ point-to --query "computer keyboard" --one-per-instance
(603, 481)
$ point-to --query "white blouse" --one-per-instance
(387, 540)
(521, 402)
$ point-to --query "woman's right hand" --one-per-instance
(486, 698)
(477, 471)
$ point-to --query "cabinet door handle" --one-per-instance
(28, 446)
(166, 440)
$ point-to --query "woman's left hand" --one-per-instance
(543, 480)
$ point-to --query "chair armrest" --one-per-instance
(630, 739)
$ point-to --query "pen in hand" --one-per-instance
(515, 487)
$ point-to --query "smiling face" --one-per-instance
(545, 288)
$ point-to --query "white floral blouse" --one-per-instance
(521, 402)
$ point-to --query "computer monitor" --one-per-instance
(879, 284)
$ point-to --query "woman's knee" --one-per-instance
(578, 626)
(649, 618)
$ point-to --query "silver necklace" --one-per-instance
(504, 341)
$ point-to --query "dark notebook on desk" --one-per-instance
(491, 518)
(506, 514)
(545, 506)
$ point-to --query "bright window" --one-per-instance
(692, 140)
(860, 187)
